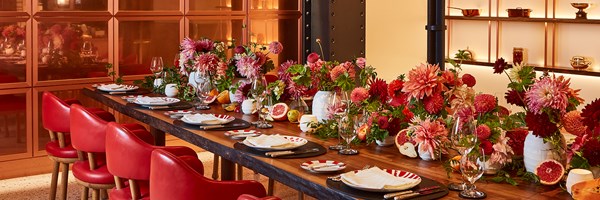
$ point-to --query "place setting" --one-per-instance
(377, 183)
(120, 89)
(158, 103)
(280, 146)
(216, 122)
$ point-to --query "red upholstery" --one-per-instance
(53, 149)
(125, 193)
(128, 154)
(99, 175)
(88, 131)
(251, 197)
(182, 182)
(55, 113)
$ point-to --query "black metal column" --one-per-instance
(435, 32)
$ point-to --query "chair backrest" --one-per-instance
(88, 131)
(172, 178)
(55, 113)
(127, 156)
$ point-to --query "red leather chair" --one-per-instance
(252, 197)
(171, 177)
(128, 157)
(55, 119)
(88, 135)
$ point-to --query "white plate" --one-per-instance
(295, 142)
(130, 98)
(323, 166)
(396, 173)
(177, 113)
(241, 134)
(117, 88)
(222, 119)
(160, 101)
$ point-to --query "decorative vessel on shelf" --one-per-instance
(468, 12)
(518, 12)
(581, 6)
(580, 62)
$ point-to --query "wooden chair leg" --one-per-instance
(103, 194)
(300, 195)
(135, 190)
(240, 172)
(215, 174)
(64, 180)
(84, 193)
(270, 187)
(96, 194)
(54, 180)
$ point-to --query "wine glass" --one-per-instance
(462, 139)
(86, 48)
(203, 89)
(472, 166)
(156, 66)
(347, 130)
(337, 107)
(268, 108)
(258, 92)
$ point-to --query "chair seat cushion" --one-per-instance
(105, 115)
(125, 193)
(53, 149)
(100, 175)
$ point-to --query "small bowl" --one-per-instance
(580, 5)
(518, 12)
(470, 12)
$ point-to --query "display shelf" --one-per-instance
(554, 69)
(524, 19)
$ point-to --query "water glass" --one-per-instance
(203, 89)
(337, 108)
(472, 166)
(462, 139)
(347, 130)
(156, 66)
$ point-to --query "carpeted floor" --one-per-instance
(38, 187)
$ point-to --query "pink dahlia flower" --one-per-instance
(485, 103)
(275, 47)
(573, 123)
(358, 95)
(550, 92)
(434, 103)
(423, 81)
(204, 45)
(361, 62)
(430, 134)
(207, 62)
(483, 132)
(337, 71)
(502, 151)
(247, 67)
(312, 57)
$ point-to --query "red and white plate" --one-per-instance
(414, 181)
(295, 142)
(155, 101)
(323, 166)
(241, 134)
(177, 113)
(116, 87)
(206, 119)
(130, 98)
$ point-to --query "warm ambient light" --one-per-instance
(62, 2)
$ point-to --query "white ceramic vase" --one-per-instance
(389, 140)
(305, 122)
(576, 176)
(248, 106)
(425, 155)
(320, 104)
(171, 90)
(536, 151)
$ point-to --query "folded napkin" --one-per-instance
(150, 100)
(202, 118)
(375, 178)
(112, 86)
(266, 141)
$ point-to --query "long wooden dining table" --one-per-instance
(289, 172)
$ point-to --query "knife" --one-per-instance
(168, 107)
(274, 154)
(391, 195)
(208, 127)
(414, 194)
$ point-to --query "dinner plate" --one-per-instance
(394, 172)
(177, 113)
(116, 88)
(156, 101)
(130, 98)
(241, 134)
(222, 119)
(295, 142)
(323, 166)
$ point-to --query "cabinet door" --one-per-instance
(15, 123)
(264, 30)
(15, 64)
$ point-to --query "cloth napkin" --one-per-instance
(202, 118)
(150, 100)
(111, 86)
(375, 178)
(266, 141)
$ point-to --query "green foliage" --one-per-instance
(300, 74)
(463, 55)
(326, 129)
(147, 83)
(578, 161)
(503, 176)
(448, 167)
(526, 79)
(514, 121)
(376, 133)
(277, 88)
(368, 73)
(111, 73)
(530, 177)
(344, 82)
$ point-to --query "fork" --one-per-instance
(338, 177)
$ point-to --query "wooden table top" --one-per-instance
(288, 171)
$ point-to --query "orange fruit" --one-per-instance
(223, 97)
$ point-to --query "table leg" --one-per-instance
(159, 136)
(227, 169)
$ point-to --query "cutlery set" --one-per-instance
(410, 193)
(274, 154)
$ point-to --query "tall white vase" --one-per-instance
(320, 104)
(536, 151)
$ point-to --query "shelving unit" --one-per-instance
(550, 40)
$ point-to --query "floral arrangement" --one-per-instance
(13, 31)
(251, 61)
(585, 151)
(63, 45)
(491, 137)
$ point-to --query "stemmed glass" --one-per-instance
(337, 106)
(463, 139)
(156, 66)
(203, 89)
(472, 166)
(347, 130)
(259, 91)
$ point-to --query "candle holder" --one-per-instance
(581, 6)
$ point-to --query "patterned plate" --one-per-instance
(295, 142)
(130, 98)
(416, 179)
(223, 119)
(323, 166)
(156, 101)
(116, 88)
(241, 134)
(177, 113)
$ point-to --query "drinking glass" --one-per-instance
(347, 130)
(462, 139)
(258, 92)
(203, 89)
(86, 48)
(156, 66)
(472, 166)
(337, 107)
(264, 112)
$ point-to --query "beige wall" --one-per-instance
(396, 42)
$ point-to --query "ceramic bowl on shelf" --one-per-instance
(580, 62)
(518, 12)
(580, 5)
(470, 12)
